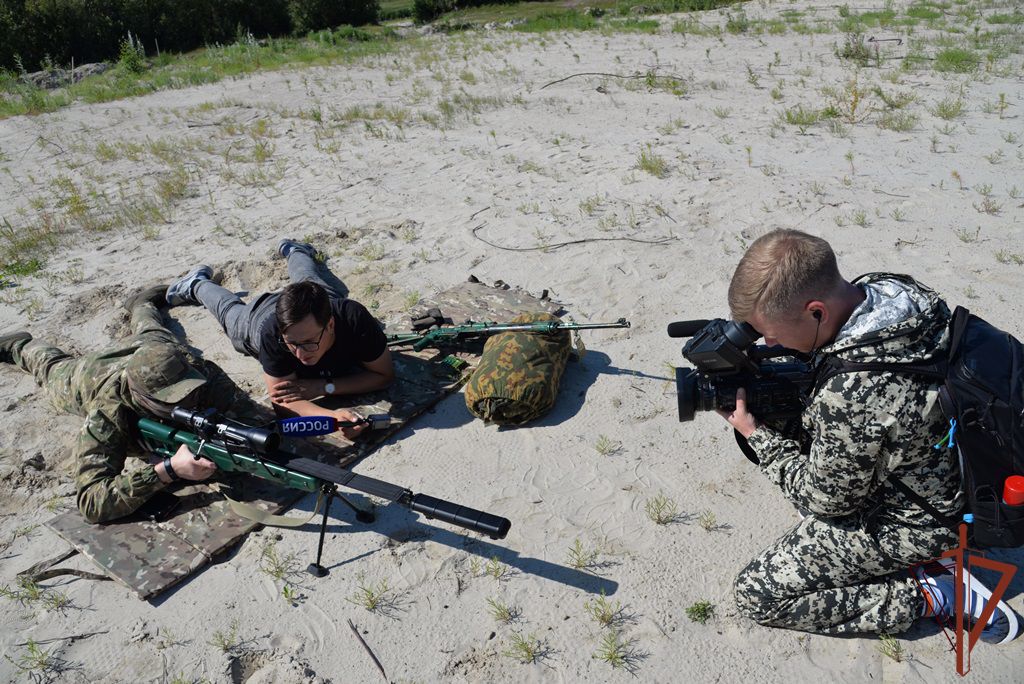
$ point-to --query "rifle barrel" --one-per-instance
(477, 329)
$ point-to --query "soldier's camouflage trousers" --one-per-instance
(54, 371)
(834, 576)
(70, 382)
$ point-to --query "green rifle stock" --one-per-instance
(240, 448)
(452, 333)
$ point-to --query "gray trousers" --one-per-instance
(242, 321)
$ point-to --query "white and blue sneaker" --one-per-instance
(939, 584)
(182, 291)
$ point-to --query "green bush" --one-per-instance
(428, 10)
(313, 15)
(59, 31)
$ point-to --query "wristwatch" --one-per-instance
(329, 387)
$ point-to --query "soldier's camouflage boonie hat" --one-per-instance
(163, 373)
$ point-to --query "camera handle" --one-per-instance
(745, 447)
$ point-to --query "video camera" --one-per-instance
(777, 379)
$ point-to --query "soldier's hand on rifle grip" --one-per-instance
(742, 421)
(188, 466)
(346, 415)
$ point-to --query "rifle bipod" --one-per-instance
(331, 491)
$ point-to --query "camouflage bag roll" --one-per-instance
(518, 375)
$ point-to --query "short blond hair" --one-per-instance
(780, 272)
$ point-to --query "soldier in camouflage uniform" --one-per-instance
(145, 375)
(844, 568)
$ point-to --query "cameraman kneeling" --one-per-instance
(844, 568)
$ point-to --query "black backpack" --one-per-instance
(983, 392)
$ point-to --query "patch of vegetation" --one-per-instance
(524, 648)
(206, 65)
(502, 612)
(956, 60)
(891, 648)
(661, 510)
(651, 162)
(372, 597)
(701, 611)
(602, 611)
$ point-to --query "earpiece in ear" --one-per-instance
(816, 314)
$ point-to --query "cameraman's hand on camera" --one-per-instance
(742, 421)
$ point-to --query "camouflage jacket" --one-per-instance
(96, 388)
(866, 425)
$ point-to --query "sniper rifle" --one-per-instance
(236, 447)
(450, 334)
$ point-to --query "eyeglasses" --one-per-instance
(306, 346)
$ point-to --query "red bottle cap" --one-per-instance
(1013, 491)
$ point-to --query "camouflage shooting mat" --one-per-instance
(151, 556)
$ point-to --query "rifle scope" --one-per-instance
(206, 425)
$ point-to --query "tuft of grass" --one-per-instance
(708, 521)
(855, 49)
(524, 648)
(290, 594)
(948, 109)
(890, 647)
(502, 612)
(956, 60)
(371, 252)
(226, 640)
(651, 162)
(661, 510)
(29, 593)
(1005, 256)
(606, 446)
(966, 236)
(894, 100)
(801, 117)
(372, 597)
(900, 122)
(34, 661)
(849, 103)
(701, 611)
(988, 206)
(580, 558)
(276, 566)
(496, 569)
(602, 610)
(614, 650)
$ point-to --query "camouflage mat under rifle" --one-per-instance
(150, 557)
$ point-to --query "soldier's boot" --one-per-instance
(939, 587)
(8, 342)
(155, 295)
(287, 246)
(182, 291)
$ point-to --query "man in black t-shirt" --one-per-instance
(310, 341)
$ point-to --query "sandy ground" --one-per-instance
(394, 194)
